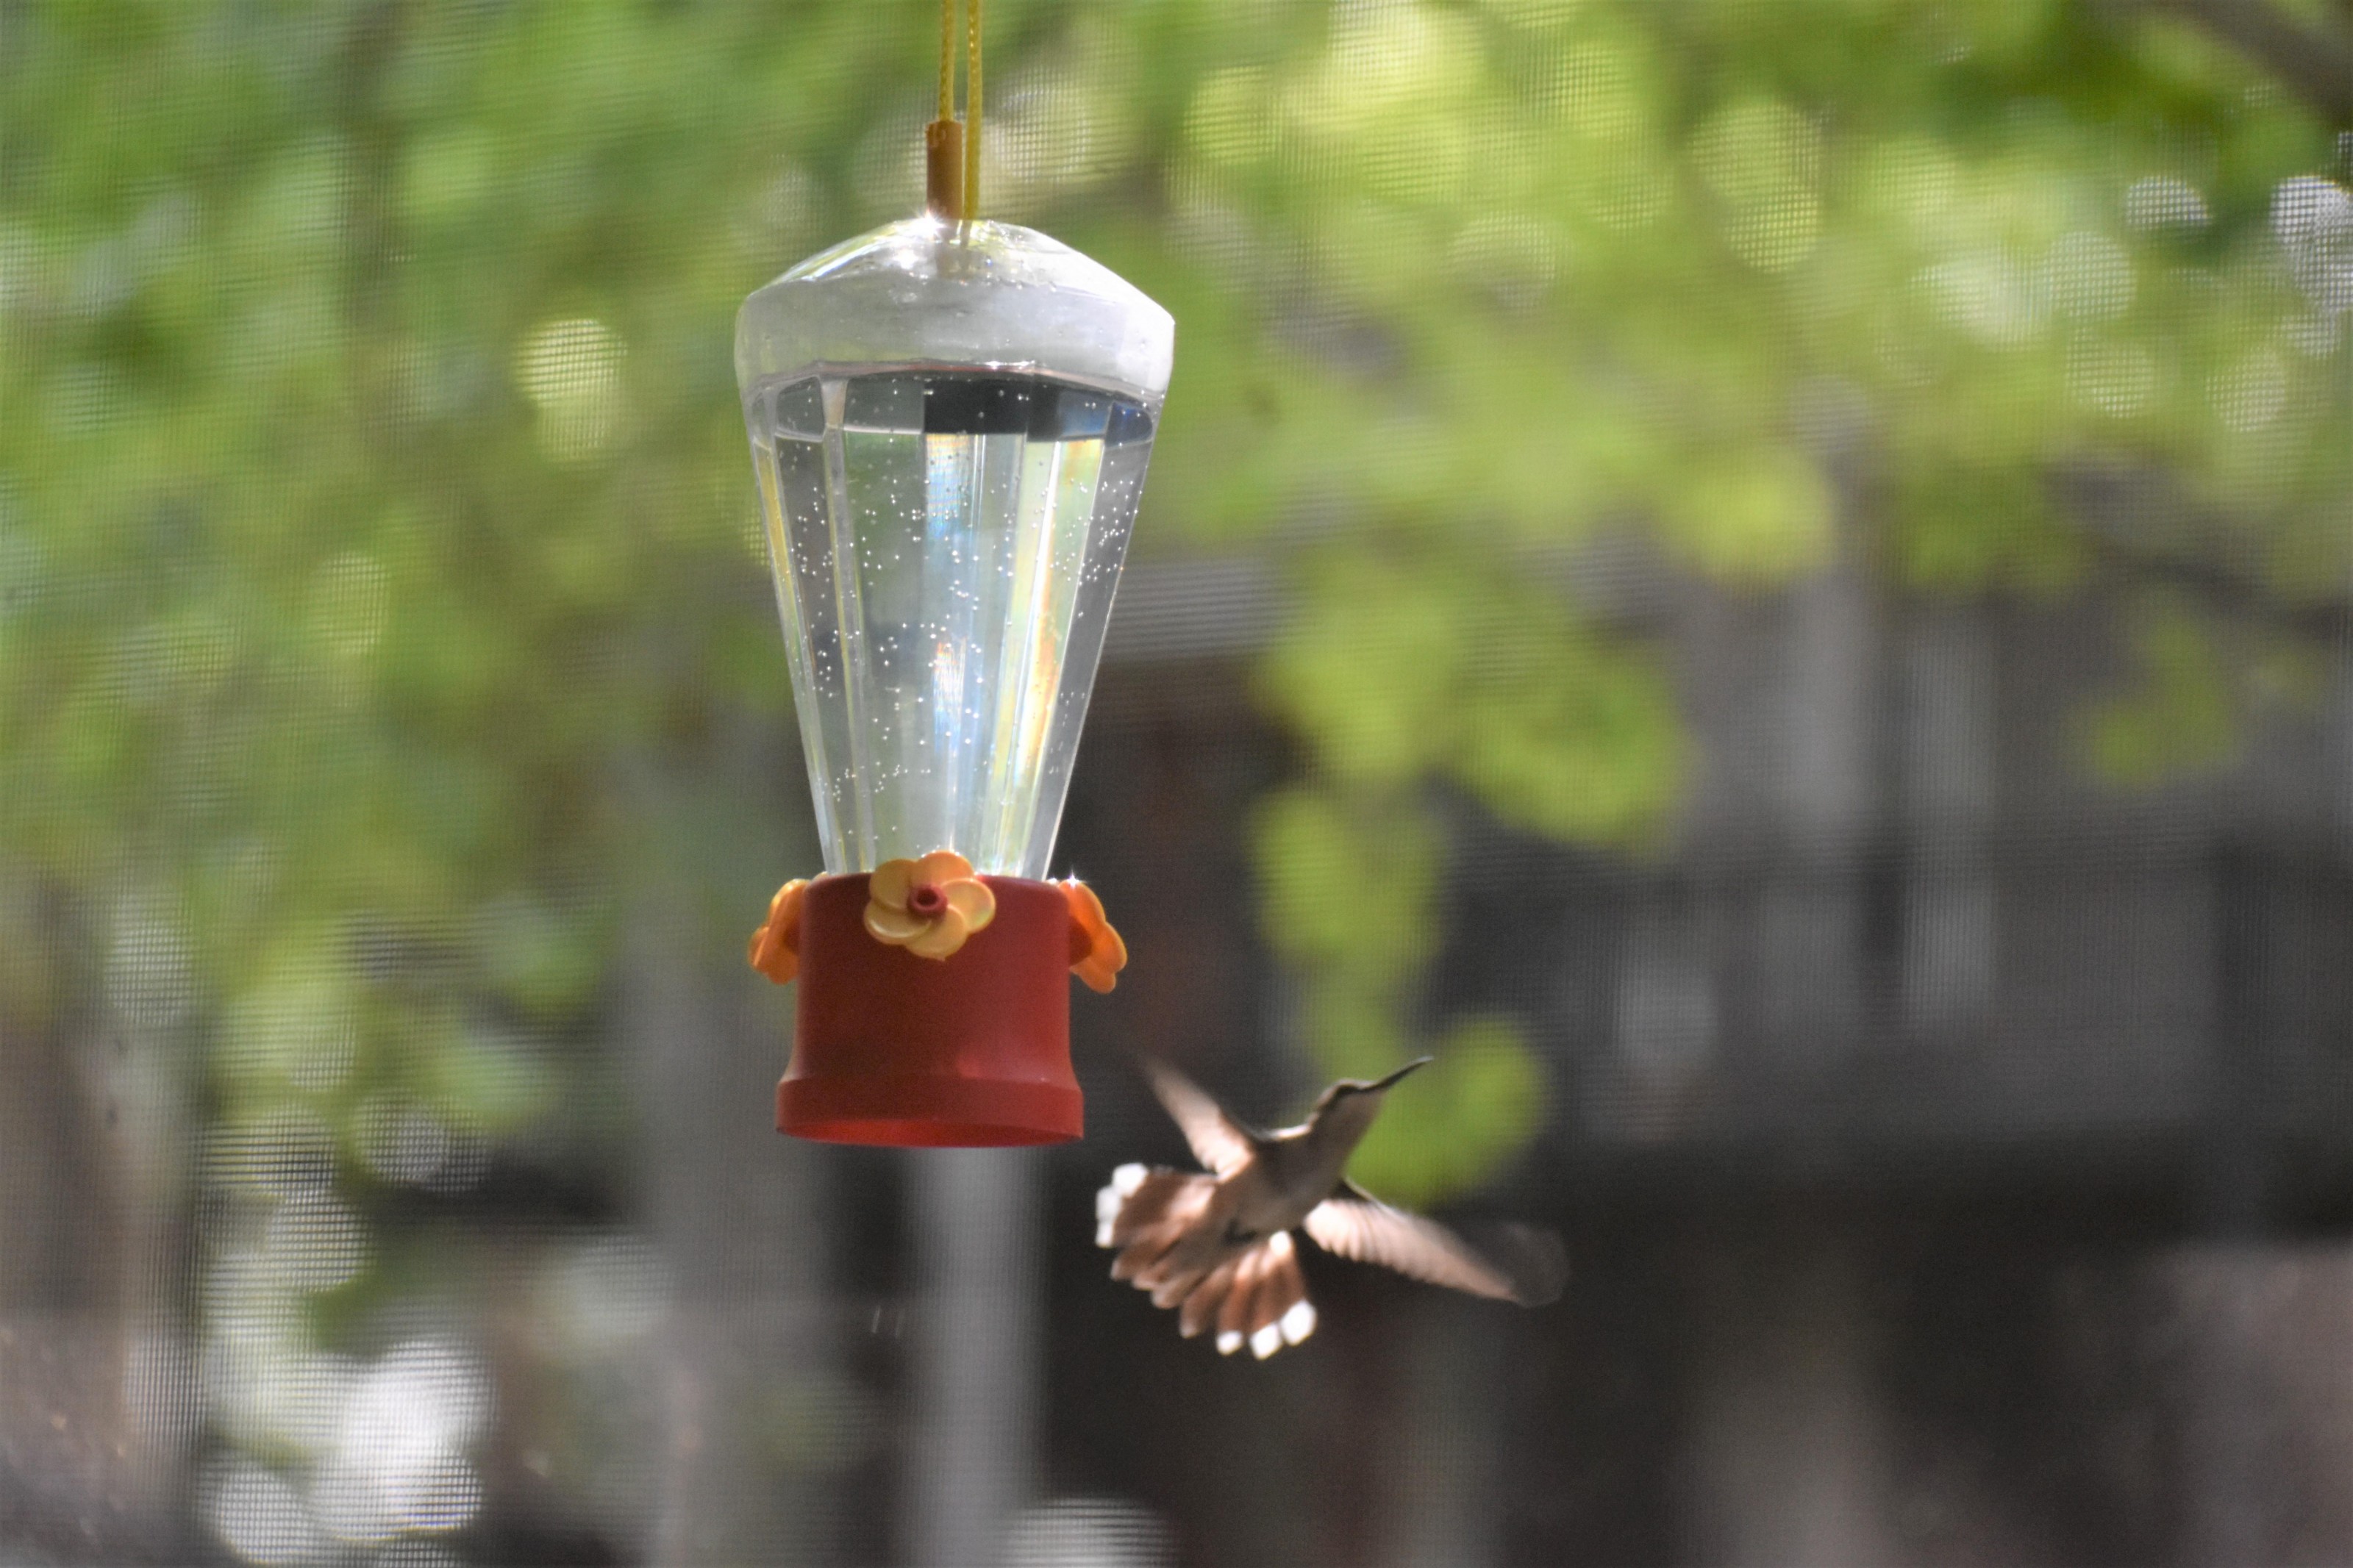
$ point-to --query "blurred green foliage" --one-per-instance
(1763, 286)
(372, 464)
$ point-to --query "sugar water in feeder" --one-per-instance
(950, 421)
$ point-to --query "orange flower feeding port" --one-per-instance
(950, 421)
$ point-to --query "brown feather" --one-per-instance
(1151, 1220)
(1207, 1297)
(1162, 1195)
(1172, 1284)
(1371, 1232)
(1236, 1313)
(1215, 1142)
(1142, 1254)
(1280, 1288)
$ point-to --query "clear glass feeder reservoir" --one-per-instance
(951, 425)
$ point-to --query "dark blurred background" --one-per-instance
(1771, 581)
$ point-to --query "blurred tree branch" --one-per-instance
(2327, 621)
(2114, 510)
(2314, 60)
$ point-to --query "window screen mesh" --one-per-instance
(1768, 580)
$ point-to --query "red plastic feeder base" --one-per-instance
(968, 1051)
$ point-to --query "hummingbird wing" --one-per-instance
(1142, 1214)
(1218, 1140)
(1369, 1231)
(1159, 1223)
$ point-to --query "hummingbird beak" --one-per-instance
(1414, 1066)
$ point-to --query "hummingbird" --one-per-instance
(1218, 1248)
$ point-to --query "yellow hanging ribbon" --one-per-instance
(944, 176)
(972, 113)
(952, 147)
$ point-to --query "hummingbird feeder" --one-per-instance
(950, 420)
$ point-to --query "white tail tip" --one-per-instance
(1297, 1323)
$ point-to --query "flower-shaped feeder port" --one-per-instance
(1097, 954)
(930, 907)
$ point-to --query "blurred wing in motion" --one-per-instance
(1142, 1214)
(1146, 1216)
(1217, 1142)
(1369, 1231)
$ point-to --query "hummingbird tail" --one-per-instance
(1257, 1298)
(1154, 1220)
(1264, 1302)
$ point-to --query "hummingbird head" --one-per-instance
(1349, 1088)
